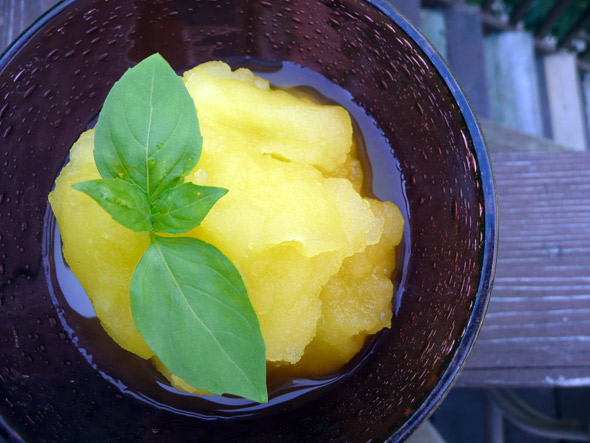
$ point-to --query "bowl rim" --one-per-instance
(490, 232)
(486, 175)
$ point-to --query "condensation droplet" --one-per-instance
(17, 76)
(29, 91)
(455, 210)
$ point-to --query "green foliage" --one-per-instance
(539, 10)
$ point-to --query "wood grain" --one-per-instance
(502, 139)
(537, 330)
(17, 15)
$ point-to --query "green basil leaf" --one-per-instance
(183, 207)
(188, 300)
(191, 306)
(126, 202)
(147, 132)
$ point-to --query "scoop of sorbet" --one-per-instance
(315, 255)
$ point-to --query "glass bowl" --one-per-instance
(61, 379)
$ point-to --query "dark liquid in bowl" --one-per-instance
(137, 377)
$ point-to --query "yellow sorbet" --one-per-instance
(315, 255)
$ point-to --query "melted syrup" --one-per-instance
(137, 377)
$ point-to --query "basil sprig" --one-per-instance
(188, 300)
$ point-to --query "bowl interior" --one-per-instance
(54, 81)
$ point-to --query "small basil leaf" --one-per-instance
(191, 306)
(124, 201)
(183, 207)
(147, 132)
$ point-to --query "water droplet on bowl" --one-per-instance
(3, 110)
(17, 76)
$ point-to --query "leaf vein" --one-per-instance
(165, 176)
(149, 130)
(193, 203)
(172, 252)
(170, 136)
(230, 307)
(118, 154)
(176, 283)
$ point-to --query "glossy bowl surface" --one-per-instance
(53, 82)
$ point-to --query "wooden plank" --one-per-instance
(410, 9)
(547, 377)
(17, 15)
(503, 139)
(512, 81)
(465, 45)
(537, 330)
(566, 105)
(435, 28)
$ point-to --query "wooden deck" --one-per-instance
(537, 330)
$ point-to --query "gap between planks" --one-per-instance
(537, 331)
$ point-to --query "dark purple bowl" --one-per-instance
(55, 381)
